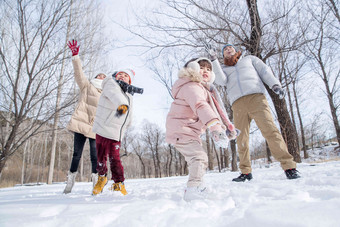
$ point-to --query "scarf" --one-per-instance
(215, 95)
(97, 83)
(233, 59)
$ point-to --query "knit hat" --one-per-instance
(130, 72)
(229, 44)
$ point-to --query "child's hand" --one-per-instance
(220, 139)
(122, 109)
(233, 134)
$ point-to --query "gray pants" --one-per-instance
(197, 160)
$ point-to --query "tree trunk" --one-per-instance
(39, 160)
(158, 164)
(330, 97)
(292, 111)
(222, 157)
(233, 156)
(268, 153)
(210, 152)
(180, 164)
(23, 164)
(303, 138)
(287, 129)
(56, 118)
(226, 157)
(255, 36)
(143, 166)
(218, 159)
(155, 164)
(170, 151)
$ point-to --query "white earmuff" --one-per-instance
(194, 66)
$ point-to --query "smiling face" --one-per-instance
(229, 51)
(123, 77)
(205, 70)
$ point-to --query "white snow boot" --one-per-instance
(94, 179)
(71, 178)
(195, 193)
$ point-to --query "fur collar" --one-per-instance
(191, 74)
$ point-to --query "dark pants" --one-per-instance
(78, 146)
(107, 147)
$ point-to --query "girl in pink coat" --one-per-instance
(193, 111)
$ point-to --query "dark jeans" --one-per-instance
(79, 142)
(107, 147)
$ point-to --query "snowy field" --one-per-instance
(268, 200)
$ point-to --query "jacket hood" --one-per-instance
(185, 75)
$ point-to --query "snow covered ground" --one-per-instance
(268, 200)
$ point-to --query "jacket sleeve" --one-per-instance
(114, 93)
(264, 72)
(195, 96)
(79, 76)
(221, 78)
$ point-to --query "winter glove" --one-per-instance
(278, 90)
(218, 134)
(211, 51)
(73, 46)
(122, 109)
(220, 139)
(233, 134)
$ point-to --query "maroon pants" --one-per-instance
(109, 147)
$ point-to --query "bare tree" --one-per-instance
(323, 53)
(30, 58)
(334, 7)
(57, 105)
(140, 151)
(153, 138)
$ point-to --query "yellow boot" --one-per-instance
(98, 188)
(119, 187)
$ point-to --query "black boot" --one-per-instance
(292, 173)
(243, 177)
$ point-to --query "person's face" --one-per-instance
(206, 73)
(100, 76)
(123, 76)
(229, 51)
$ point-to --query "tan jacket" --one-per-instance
(83, 116)
(107, 123)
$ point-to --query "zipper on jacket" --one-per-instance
(238, 79)
(120, 133)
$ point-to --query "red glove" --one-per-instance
(73, 46)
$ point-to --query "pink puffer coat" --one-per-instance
(191, 110)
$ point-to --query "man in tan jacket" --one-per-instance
(83, 117)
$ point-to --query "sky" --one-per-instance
(268, 200)
(154, 103)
